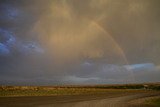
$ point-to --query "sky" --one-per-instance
(79, 42)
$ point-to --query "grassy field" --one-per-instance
(155, 102)
(74, 90)
(49, 91)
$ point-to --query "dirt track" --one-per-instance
(99, 100)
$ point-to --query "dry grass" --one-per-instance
(71, 90)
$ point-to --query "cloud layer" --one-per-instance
(76, 42)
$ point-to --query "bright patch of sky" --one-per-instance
(143, 66)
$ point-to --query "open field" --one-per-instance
(74, 90)
(79, 96)
(111, 98)
(155, 101)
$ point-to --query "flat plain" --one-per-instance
(128, 95)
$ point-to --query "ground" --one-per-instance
(110, 98)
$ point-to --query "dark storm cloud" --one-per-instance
(73, 41)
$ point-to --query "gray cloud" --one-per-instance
(72, 41)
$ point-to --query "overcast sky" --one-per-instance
(56, 42)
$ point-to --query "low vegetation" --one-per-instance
(73, 90)
(46, 91)
(155, 102)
